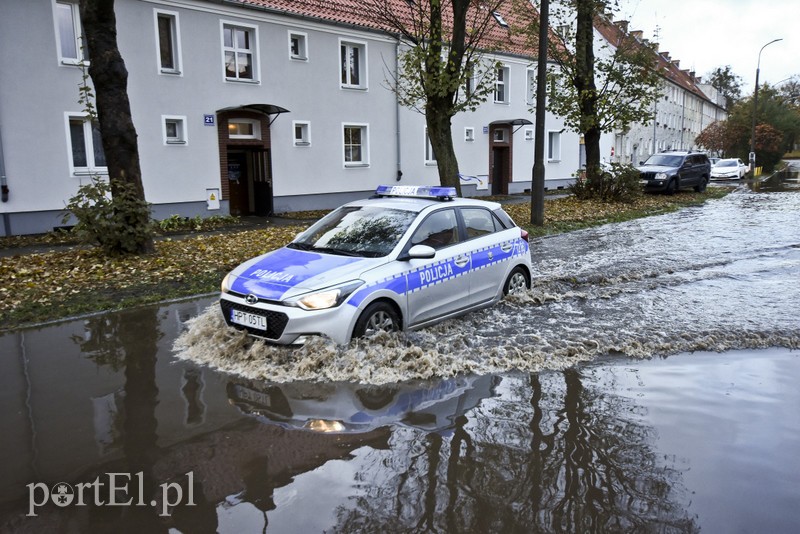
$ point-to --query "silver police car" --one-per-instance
(408, 257)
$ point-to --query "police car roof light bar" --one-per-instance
(420, 191)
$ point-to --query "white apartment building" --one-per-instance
(256, 107)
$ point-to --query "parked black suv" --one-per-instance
(669, 171)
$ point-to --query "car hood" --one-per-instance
(656, 168)
(287, 272)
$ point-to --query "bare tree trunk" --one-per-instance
(585, 85)
(110, 80)
(440, 134)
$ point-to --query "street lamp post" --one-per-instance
(755, 108)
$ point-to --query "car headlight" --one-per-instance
(225, 286)
(661, 176)
(326, 298)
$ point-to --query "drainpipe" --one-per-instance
(683, 117)
(4, 188)
(397, 109)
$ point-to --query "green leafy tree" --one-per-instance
(442, 68)
(110, 80)
(727, 83)
(599, 92)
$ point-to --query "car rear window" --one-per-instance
(504, 218)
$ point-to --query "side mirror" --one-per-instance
(419, 252)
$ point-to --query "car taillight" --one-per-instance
(523, 234)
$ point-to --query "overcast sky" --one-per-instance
(706, 34)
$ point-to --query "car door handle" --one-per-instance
(505, 247)
(461, 261)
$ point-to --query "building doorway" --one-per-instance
(249, 181)
(500, 158)
(246, 157)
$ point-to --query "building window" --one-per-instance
(297, 46)
(356, 148)
(167, 31)
(302, 133)
(68, 24)
(499, 18)
(469, 82)
(430, 156)
(531, 87)
(353, 65)
(554, 146)
(469, 134)
(501, 86)
(528, 134)
(86, 145)
(239, 44)
(499, 135)
(174, 130)
(244, 129)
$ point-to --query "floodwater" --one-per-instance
(648, 383)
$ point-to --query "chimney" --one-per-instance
(665, 55)
(637, 34)
(622, 25)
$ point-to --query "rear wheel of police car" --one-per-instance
(378, 316)
(517, 282)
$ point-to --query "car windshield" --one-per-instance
(664, 160)
(356, 231)
(726, 163)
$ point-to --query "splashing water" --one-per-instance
(718, 277)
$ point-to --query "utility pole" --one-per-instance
(752, 157)
(537, 185)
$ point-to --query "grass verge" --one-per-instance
(44, 286)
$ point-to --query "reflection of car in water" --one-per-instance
(346, 407)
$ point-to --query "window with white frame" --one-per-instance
(500, 135)
(528, 134)
(469, 134)
(353, 57)
(302, 133)
(68, 27)
(530, 89)
(174, 129)
(469, 82)
(244, 129)
(239, 45)
(499, 18)
(430, 155)
(298, 45)
(553, 146)
(501, 86)
(356, 145)
(85, 144)
(169, 50)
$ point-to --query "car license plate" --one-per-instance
(249, 319)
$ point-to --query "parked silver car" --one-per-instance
(728, 169)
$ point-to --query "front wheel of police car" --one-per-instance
(378, 316)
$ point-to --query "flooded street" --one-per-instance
(647, 383)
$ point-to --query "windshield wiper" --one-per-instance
(337, 251)
(300, 246)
